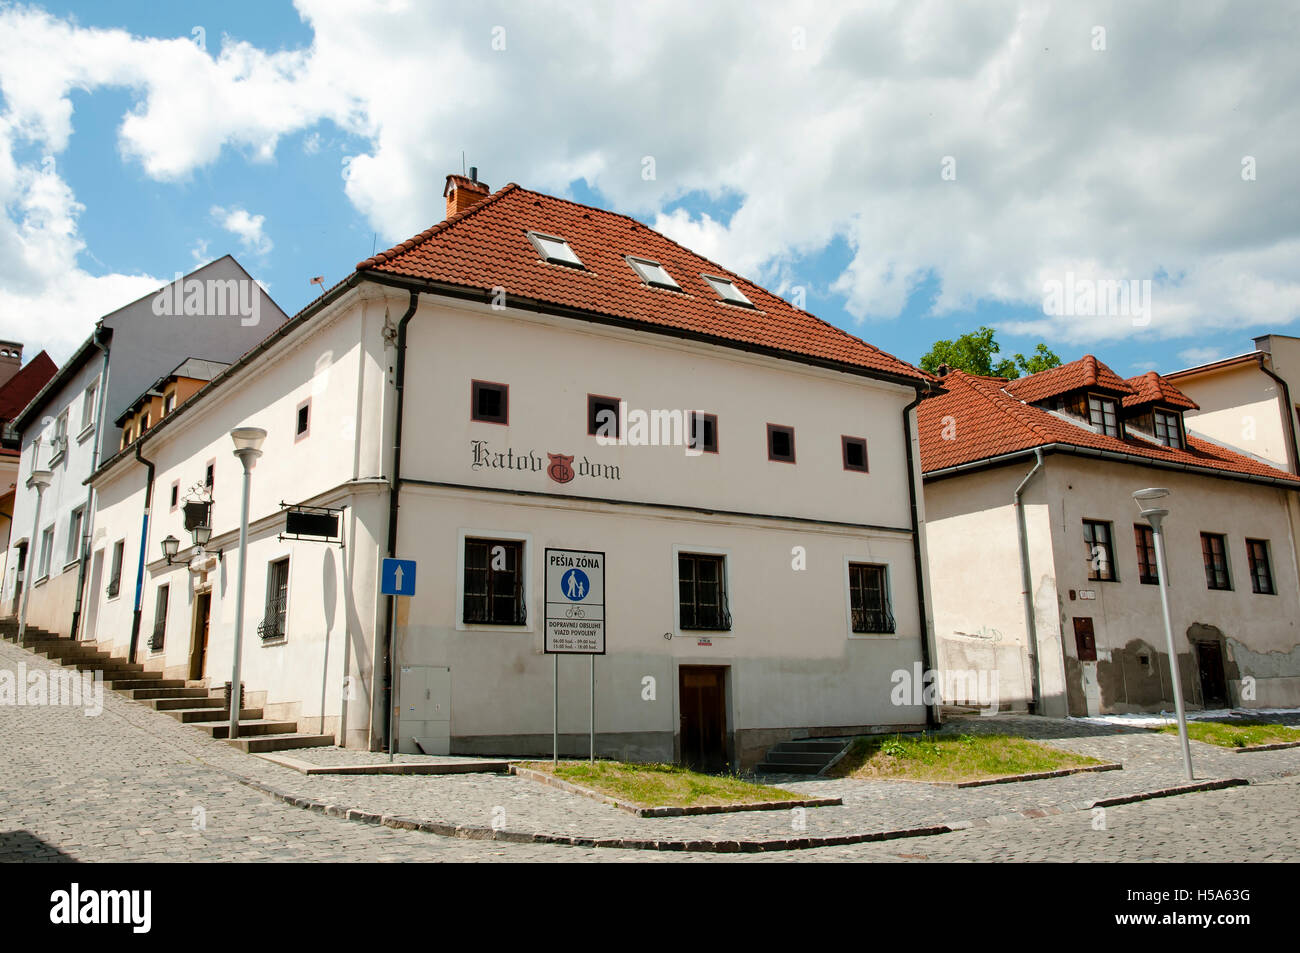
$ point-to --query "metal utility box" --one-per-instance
(424, 693)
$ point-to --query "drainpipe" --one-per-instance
(1027, 586)
(1293, 455)
(144, 542)
(931, 715)
(396, 486)
(87, 520)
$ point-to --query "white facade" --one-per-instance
(59, 429)
(790, 664)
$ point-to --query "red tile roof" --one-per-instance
(1086, 372)
(978, 419)
(1151, 388)
(19, 390)
(486, 246)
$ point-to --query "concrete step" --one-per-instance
(250, 728)
(173, 701)
(833, 747)
(285, 742)
(170, 694)
(192, 716)
(121, 684)
(818, 758)
(768, 767)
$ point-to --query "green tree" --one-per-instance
(973, 353)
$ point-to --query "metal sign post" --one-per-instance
(396, 578)
(575, 625)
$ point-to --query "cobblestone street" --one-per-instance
(134, 784)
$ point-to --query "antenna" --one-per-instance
(462, 161)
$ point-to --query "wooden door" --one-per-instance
(202, 618)
(1214, 685)
(703, 702)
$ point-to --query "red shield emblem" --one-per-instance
(561, 467)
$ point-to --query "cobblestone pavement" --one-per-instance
(134, 784)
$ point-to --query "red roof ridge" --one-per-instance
(416, 240)
(1006, 404)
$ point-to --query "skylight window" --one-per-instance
(727, 291)
(554, 250)
(652, 273)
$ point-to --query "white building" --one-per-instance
(442, 401)
(1044, 573)
(217, 312)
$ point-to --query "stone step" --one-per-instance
(113, 668)
(250, 728)
(121, 684)
(173, 701)
(833, 747)
(68, 656)
(768, 767)
(198, 715)
(173, 694)
(286, 742)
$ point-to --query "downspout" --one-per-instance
(144, 542)
(1026, 587)
(931, 716)
(396, 486)
(87, 521)
(1293, 454)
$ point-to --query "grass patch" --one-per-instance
(661, 785)
(1235, 734)
(953, 758)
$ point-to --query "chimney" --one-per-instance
(942, 370)
(462, 192)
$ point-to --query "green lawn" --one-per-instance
(1236, 734)
(660, 785)
(953, 758)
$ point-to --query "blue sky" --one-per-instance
(300, 137)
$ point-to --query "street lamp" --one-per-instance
(38, 481)
(201, 535)
(1147, 501)
(248, 447)
(170, 545)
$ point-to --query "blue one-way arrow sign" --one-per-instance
(398, 577)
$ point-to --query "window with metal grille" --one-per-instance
(276, 617)
(489, 402)
(1261, 570)
(1214, 552)
(1167, 428)
(156, 640)
(494, 582)
(1101, 413)
(702, 592)
(1145, 539)
(869, 598)
(115, 569)
(1100, 551)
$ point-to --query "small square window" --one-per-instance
(727, 291)
(555, 250)
(855, 453)
(176, 494)
(210, 474)
(302, 423)
(653, 273)
(780, 443)
(602, 416)
(704, 432)
(489, 402)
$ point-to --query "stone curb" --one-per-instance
(1037, 776)
(550, 780)
(398, 767)
(1275, 746)
(470, 832)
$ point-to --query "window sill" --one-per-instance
(872, 636)
(57, 459)
(492, 627)
(269, 643)
(67, 566)
(42, 580)
(85, 433)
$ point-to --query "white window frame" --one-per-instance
(721, 286)
(869, 559)
(727, 565)
(652, 273)
(88, 397)
(530, 584)
(76, 525)
(538, 238)
(46, 553)
(60, 436)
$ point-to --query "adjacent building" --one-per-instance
(19, 383)
(216, 312)
(1043, 572)
(535, 374)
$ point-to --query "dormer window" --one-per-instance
(1168, 428)
(652, 273)
(727, 291)
(1102, 415)
(555, 250)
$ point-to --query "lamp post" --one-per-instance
(38, 481)
(170, 546)
(1155, 515)
(248, 447)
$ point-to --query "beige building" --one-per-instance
(1043, 572)
(536, 374)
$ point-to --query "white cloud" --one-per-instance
(1199, 355)
(250, 229)
(1123, 163)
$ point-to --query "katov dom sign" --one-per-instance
(575, 602)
